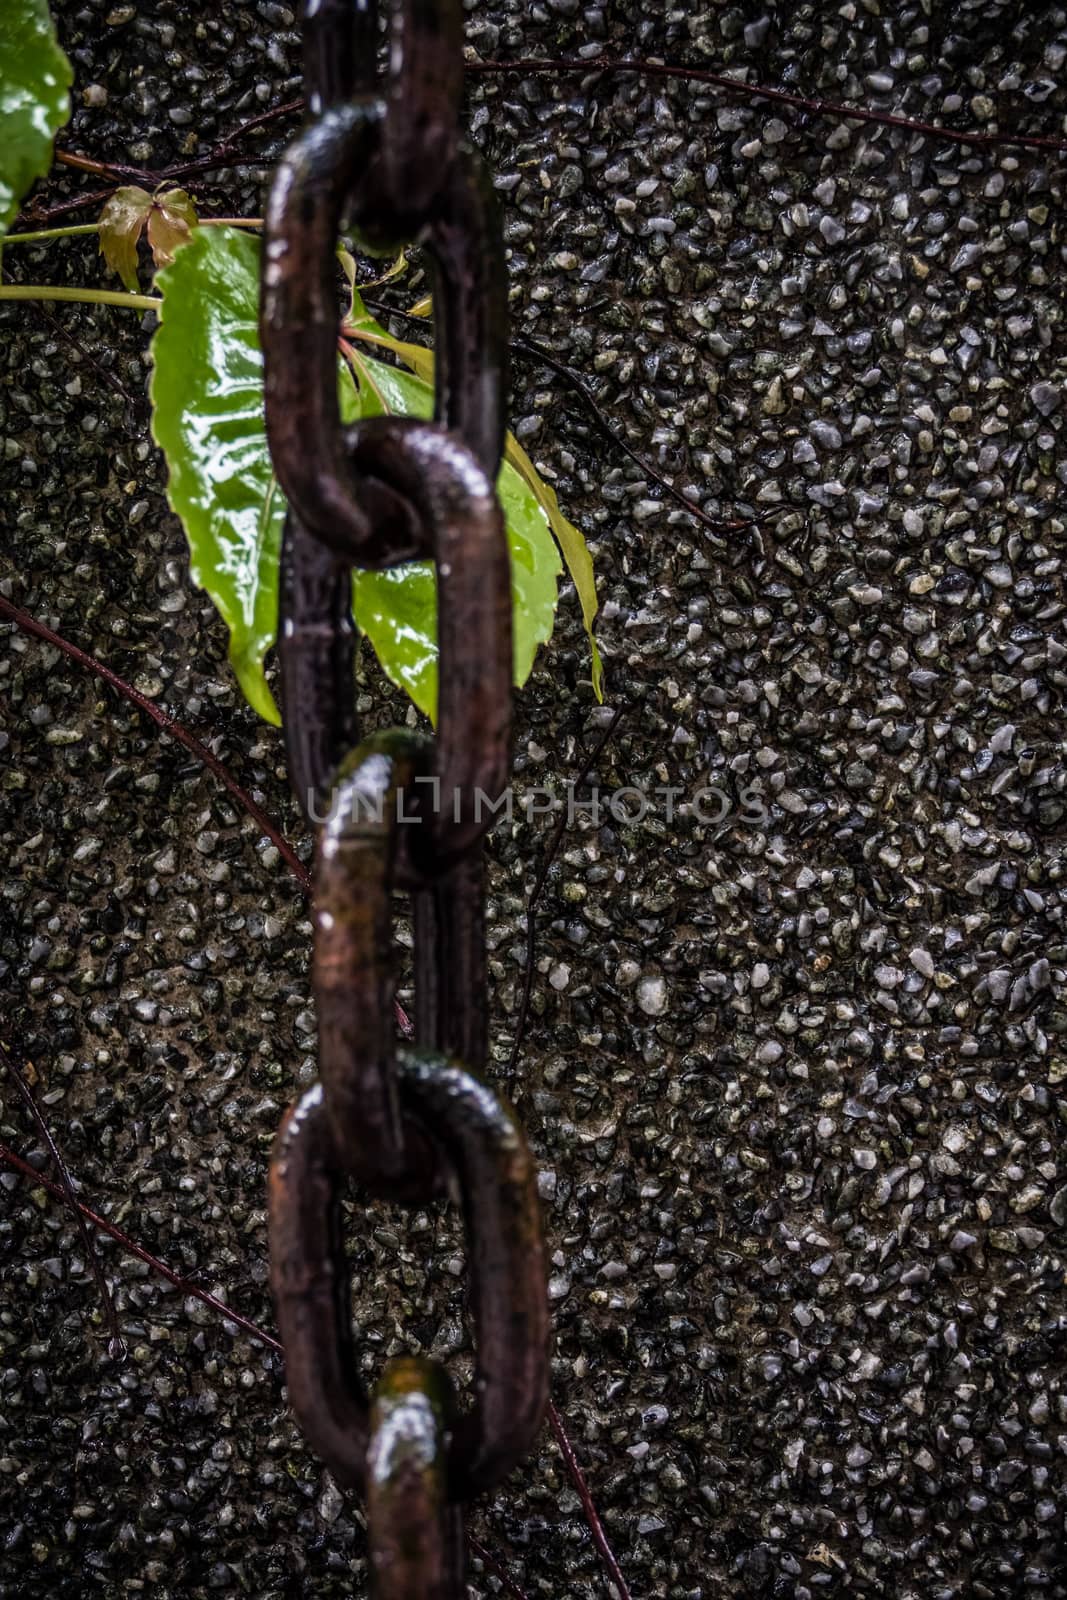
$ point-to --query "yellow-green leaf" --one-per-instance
(397, 610)
(171, 220)
(168, 218)
(574, 548)
(207, 416)
(121, 222)
(362, 326)
(359, 324)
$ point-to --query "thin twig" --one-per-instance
(190, 742)
(35, 212)
(224, 155)
(538, 66)
(495, 1569)
(64, 333)
(164, 720)
(532, 351)
(539, 882)
(134, 1249)
(592, 1516)
(529, 350)
(102, 169)
(116, 1343)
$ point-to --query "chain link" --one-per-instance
(384, 157)
(415, 1537)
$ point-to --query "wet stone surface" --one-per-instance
(795, 1074)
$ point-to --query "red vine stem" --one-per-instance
(592, 1516)
(492, 1565)
(17, 1074)
(539, 66)
(188, 741)
(134, 1249)
(164, 720)
(86, 1214)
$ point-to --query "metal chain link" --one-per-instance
(384, 156)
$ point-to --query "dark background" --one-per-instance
(796, 1089)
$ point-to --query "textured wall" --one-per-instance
(796, 1085)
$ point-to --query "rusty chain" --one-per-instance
(384, 157)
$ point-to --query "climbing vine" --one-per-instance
(207, 408)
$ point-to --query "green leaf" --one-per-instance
(359, 324)
(574, 548)
(388, 391)
(121, 222)
(362, 326)
(397, 610)
(35, 80)
(207, 400)
(207, 416)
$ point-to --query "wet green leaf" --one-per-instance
(35, 79)
(574, 548)
(362, 328)
(207, 399)
(207, 416)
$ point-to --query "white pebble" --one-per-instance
(652, 996)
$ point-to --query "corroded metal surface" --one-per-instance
(416, 1547)
(485, 1148)
(380, 492)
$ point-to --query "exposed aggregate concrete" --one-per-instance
(796, 1084)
